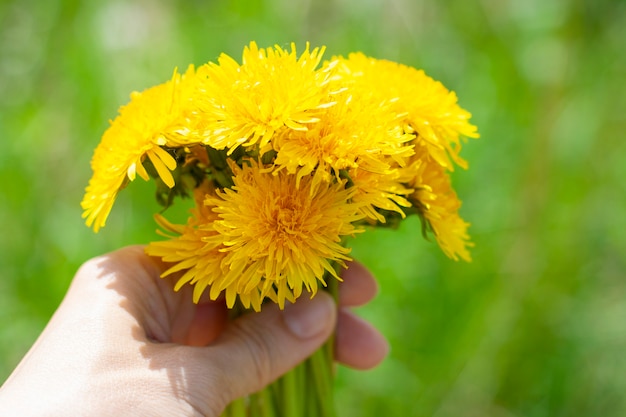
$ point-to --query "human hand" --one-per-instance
(122, 342)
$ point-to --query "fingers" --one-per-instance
(357, 343)
(258, 348)
(358, 287)
(209, 321)
(210, 317)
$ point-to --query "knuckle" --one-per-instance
(258, 350)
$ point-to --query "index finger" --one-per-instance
(358, 287)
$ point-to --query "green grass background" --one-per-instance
(534, 326)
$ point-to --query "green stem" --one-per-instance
(262, 404)
(290, 394)
(268, 406)
(322, 376)
(255, 405)
(236, 409)
(303, 392)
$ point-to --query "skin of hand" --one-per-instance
(122, 342)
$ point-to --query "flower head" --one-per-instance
(425, 106)
(280, 236)
(196, 254)
(355, 133)
(374, 192)
(154, 119)
(439, 206)
(246, 104)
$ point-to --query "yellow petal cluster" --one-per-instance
(264, 237)
(285, 156)
(245, 104)
(429, 112)
(439, 205)
(152, 122)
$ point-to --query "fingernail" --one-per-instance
(308, 317)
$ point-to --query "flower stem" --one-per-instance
(236, 409)
(268, 406)
(323, 379)
(262, 404)
(290, 393)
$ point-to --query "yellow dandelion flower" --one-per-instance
(374, 191)
(272, 89)
(197, 254)
(354, 133)
(426, 106)
(154, 118)
(279, 236)
(439, 205)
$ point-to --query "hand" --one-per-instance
(122, 342)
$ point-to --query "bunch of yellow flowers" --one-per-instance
(285, 156)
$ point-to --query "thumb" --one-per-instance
(257, 348)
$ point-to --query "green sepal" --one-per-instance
(187, 176)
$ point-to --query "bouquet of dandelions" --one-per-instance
(285, 158)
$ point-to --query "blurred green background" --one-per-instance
(534, 326)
